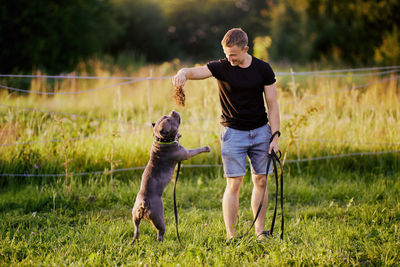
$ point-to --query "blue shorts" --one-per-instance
(237, 144)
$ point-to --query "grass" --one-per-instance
(338, 219)
(342, 211)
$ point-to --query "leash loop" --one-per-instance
(273, 135)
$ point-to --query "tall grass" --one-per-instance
(365, 119)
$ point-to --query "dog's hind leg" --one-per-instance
(136, 222)
(156, 217)
(138, 212)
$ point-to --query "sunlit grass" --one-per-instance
(337, 219)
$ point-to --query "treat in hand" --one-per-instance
(179, 96)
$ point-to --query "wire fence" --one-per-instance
(70, 92)
(323, 73)
(139, 126)
(72, 115)
(302, 73)
(106, 172)
(346, 89)
(83, 138)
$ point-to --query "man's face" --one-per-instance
(235, 54)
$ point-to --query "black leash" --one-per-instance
(175, 209)
(275, 159)
(271, 158)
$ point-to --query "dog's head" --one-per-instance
(166, 128)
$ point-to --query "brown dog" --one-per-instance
(165, 153)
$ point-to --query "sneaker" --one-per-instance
(263, 236)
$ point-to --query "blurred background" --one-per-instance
(54, 36)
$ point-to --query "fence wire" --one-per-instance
(83, 138)
(194, 165)
(72, 115)
(325, 73)
(343, 90)
(301, 73)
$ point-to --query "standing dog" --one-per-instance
(165, 153)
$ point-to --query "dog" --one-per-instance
(165, 153)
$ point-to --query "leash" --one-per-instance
(175, 209)
(272, 158)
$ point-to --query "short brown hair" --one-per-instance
(235, 36)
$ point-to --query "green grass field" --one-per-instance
(338, 211)
(341, 218)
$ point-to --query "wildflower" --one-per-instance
(36, 167)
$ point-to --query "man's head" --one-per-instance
(235, 46)
(235, 36)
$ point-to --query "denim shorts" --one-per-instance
(236, 145)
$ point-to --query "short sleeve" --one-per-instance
(269, 75)
(217, 68)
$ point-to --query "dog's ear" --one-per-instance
(153, 124)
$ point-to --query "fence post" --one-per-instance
(149, 95)
(294, 90)
(295, 111)
(119, 107)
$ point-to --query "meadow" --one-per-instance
(71, 164)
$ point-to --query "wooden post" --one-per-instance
(119, 108)
(294, 90)
(295, 111)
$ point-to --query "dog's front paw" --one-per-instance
(207, 149)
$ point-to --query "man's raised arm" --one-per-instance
(195, 73)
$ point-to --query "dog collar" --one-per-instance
(164, 141)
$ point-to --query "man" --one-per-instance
(242, 81)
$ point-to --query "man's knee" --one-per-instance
(233, 184)
(259, 180)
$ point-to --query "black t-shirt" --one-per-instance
(241, 92)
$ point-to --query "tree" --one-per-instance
(351, 30)
(51, 35)
(141, 29)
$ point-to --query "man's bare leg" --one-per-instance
(260, 186)
(230, 204)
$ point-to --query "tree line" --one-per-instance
(54, 35)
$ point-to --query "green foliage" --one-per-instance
(261, 45)
(55, 35)
(51, 35)
(197, 32)
(141, 28)
(351, 30)
(389, 51)
(291, 39)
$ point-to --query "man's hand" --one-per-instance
(274, 145)
(195, 73)
(179, 79)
